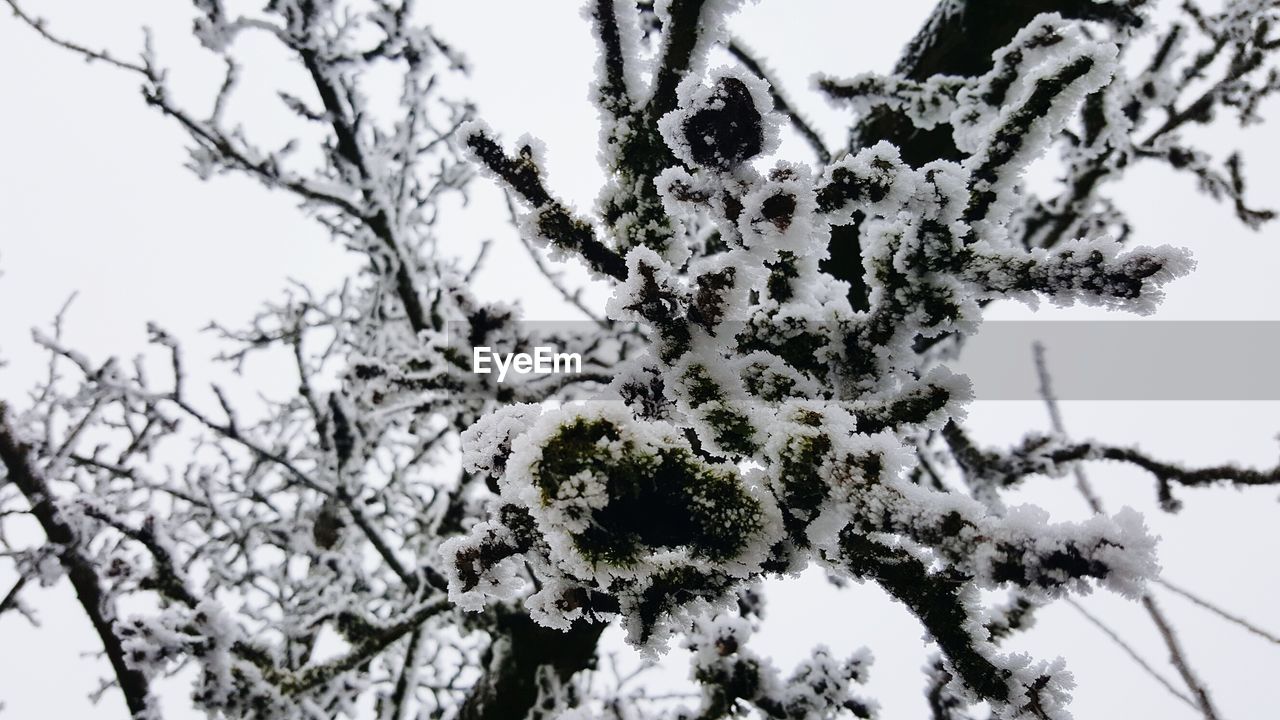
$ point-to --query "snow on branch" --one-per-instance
(551, 222)
(641, 509)
(762, 394)
(1053, 456)
(60, 529)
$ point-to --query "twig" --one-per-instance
(1178, 658)
(552, 219)
(1177, 655)
(1229, 617)
(1055, 420)
(38, 24)
(1133, 654)
(479, 261)
(11, 598)
(811, 136)
(573, 298)
(317, 675)
(408, 671)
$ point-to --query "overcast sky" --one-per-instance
(94, 200)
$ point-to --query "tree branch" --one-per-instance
(612, 89)
(38, 24)
(552, 219)
(679, 38)
(95, 600)
(1229, 617)
(1133, 654)
(811, 136)
(1177, 655)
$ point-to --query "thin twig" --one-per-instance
(1133, 654)
(1177, 655)
(1229, 617)
(316, 675)
(407, 679)
(573, 298)
(11, 598)
(811, 136)
(1178, 658)
(1055, 420)
(38, 24)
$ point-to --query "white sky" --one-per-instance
(93, 199)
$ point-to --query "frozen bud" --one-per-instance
(727, 130)
(721, 126)
(779, 209)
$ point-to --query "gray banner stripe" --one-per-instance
(1127, 360)
(1088, 360)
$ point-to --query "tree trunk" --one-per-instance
(508, 688)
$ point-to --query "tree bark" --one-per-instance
(508, 688)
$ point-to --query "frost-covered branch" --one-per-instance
(69, 547)
(732, 675)
(684, 27)
(764, 391)
(1052, 456)
(551, 222)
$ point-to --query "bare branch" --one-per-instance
(1216, 610)
(1133, 654)
(87, 53)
